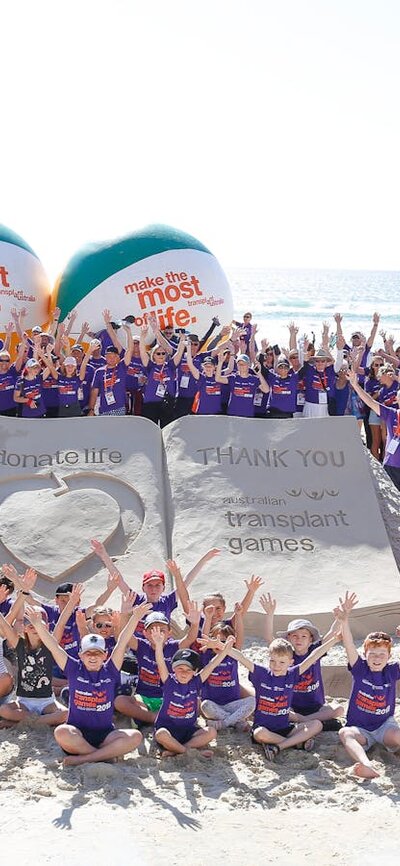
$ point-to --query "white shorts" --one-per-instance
(377, 736)
(315, 410)
(36, 705)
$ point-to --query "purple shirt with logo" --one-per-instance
(274, 697)
(283, 392)
(91, 694)
(318, 388)
(135, 375)
(162, 377)
(187, 384)
(32, 388)
(309, 690)
(68, 387)
(242, 391)
(222, 686)
(210, 396)
(373, 696)
(391, 417)
(149, 683)
(179, 706)
(50, 392)
(111, 382)
(7, 388)
(165, 604)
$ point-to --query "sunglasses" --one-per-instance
(103, 625)
(160, 353)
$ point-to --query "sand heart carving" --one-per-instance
(51, 533)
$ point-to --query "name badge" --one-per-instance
(322, 397)
(301, 399)
(160, 389)
(257, 399)
(393, 446)
(109, 398)
(80, 393)
(185, 381)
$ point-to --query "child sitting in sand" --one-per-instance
(175, 726)
(221, 696)
(370, 714)
(274, 693)
(308, 694)
(89, 734)
(145, 704)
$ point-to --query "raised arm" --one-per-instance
(268, 605)
(236, 654)
(293, 331)
(342, 615)
(129, 344)
(193, 615)
(194, 371)
(180, 586)
(218, 658)
(72, 603)
(253, 585)
(177, 357)
(110, 331)
(319, 651)
(59, 655)
(144, 357)
(101, 552)
(375, 323)
(85, 361)
(207, 557)
(158, 638)
(7, 632)
(373, 404)
(126, 634)
(218, 373)
(239, 627)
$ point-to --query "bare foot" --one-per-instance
(166, 754)
(74, 760)
(207, 753)
(364, 772)
(4, 723)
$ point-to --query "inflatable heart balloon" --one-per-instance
(23, 282)
(158, 270)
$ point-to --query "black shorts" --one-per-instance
(95, 736)
(306, 711)
(283, 732)
(183, 735)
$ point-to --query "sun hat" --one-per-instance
(243, 358)
(282, 361)
(295, 624)
(320, 355)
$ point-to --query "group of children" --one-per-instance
(99, 661)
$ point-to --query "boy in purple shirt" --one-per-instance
(370, 714)
(175, 726)
(274, 694)
(88, 735)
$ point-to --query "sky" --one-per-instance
(269, 129)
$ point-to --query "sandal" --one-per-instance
(271, 750)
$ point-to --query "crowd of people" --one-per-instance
(73, 668)
(164, 375)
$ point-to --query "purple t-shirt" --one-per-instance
(391, 417)
(33, 389)
(309, 690)
(149, 683)
(91, 694)
(97, 363)
(373, 696)
(187, 384)
(274, 696)
(318, 388)
(165, 604)
(7, 387)
(5, 606)
(179, 706)
(283, 392)
(50, 392)
(161, 378)
(68, 388)
(111, 382)
(387, 394)
(242, 390)
(210, 396)
(222, 686)
(135, 375)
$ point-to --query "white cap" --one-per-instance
(32, 362)
(70, 360)
(93, 642)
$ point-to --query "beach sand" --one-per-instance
(303, 809)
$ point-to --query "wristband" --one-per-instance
(24, 592)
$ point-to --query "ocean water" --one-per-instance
(310, 297)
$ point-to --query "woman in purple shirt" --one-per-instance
(243, 386)
(391, 418)
(69, 383)
(29, 390)
(8, 378)
(160, 389)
